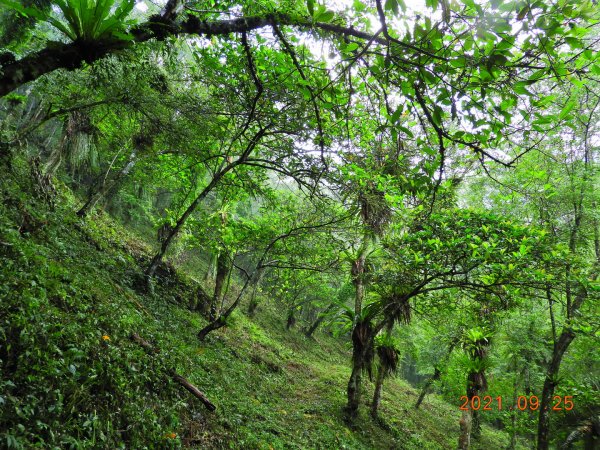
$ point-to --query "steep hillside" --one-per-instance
(71, 376)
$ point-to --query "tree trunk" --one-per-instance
(474, 389)
(357, 354)
(181, 221)
(357, 272)
(253, 301)
(464, 440)
(223, 268)
(476, 425)
(291, 319)
(253, 304)
(194, 391)
(176, 377)
(362, 349)
(319, 320)
(93, 198)
(221, 321)
(436, 376)
(212, 326)
(107, 186)
(513, 418)
(212, 265)
(550, 382)
(562, 344)
(188, 212)
(377, 393)
(354, 387)
(476, 384)
(72, 55)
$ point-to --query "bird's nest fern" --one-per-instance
(84, 20)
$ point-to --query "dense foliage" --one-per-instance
(417, 186)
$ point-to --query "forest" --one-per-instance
(298, 224)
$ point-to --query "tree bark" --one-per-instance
(353, 392)
(550, 382)
(357, 272)
(253, 304)
(573, 305)
(212, 265)
(260, 266)
(181, 221)
(176, 377)
(464, 440)
(358, 355)
(151, 349)
(377, 393)
(220, 322)
(194, 391)
(436, 374)
(476, 425)
(476, 384)
(223, 268)
(291, 319)
(513, 414)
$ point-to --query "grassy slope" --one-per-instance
(68, 283)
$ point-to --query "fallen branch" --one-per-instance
(194, 391)
(143, 343)
(175, 376)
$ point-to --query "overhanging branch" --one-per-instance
(72, 55)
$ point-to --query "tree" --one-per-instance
(435, 74)
(452, 250)
(271, 250)
(437, 371)
(555, 189)
(372, 119)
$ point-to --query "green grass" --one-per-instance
(72, 377)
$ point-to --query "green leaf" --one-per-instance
(537, 75)
(27, 12)
(566, 109)
(520, 87)
(574, 42)
(392, 5)
(359, 6)
(406, 131)
(310, 5)
(498, 60)
(61, 27)
(458, 62)
(437, 115)
(326, 16)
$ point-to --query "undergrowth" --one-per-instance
(71, 377)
